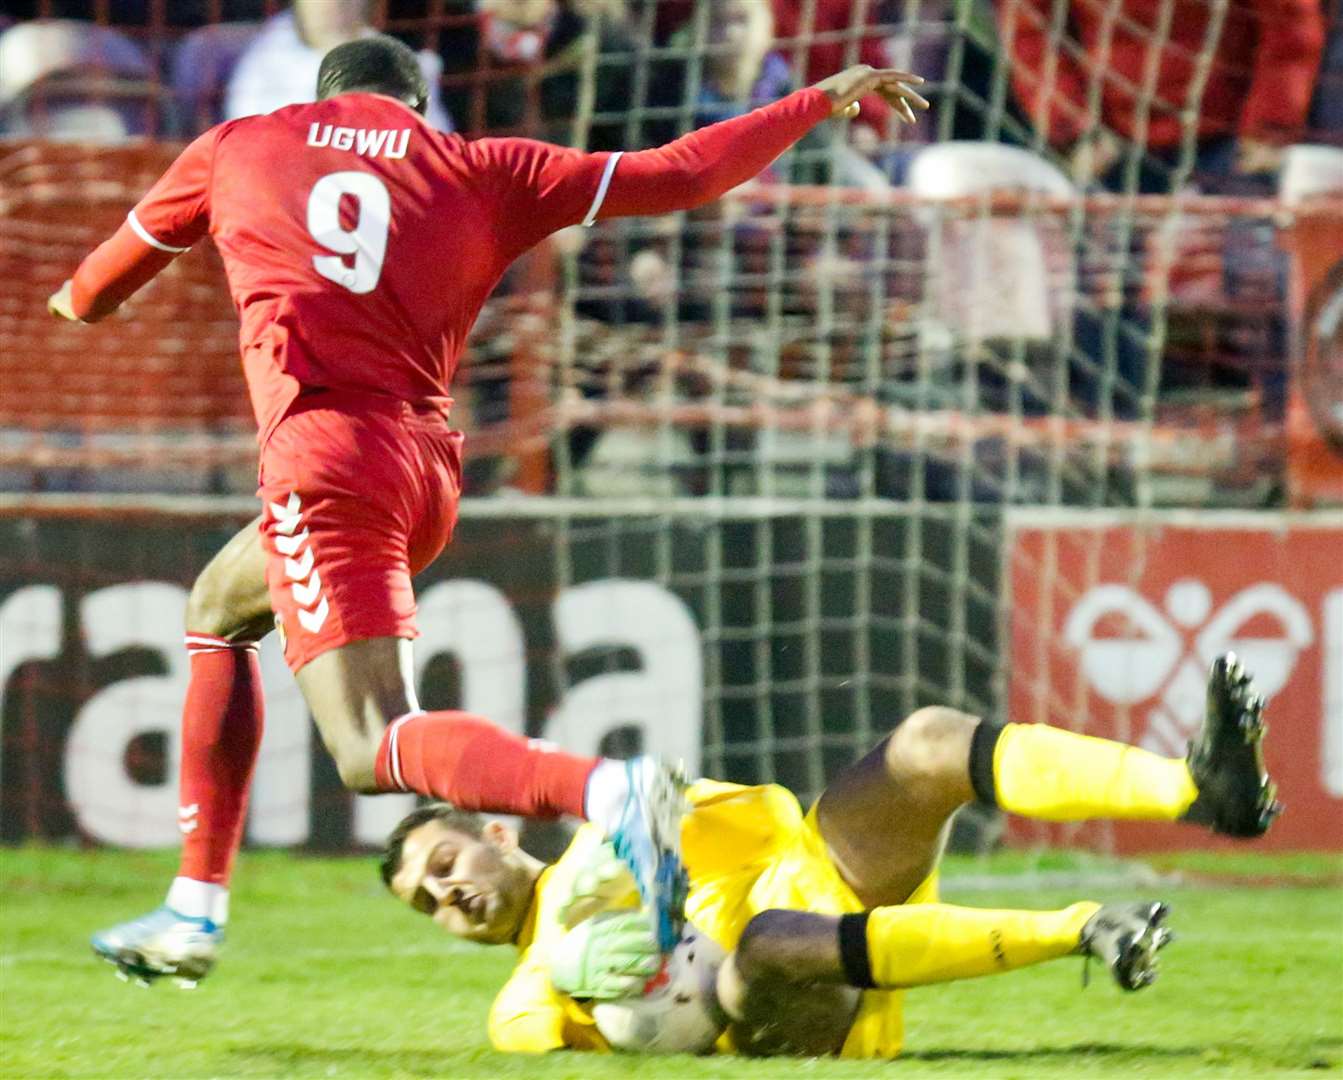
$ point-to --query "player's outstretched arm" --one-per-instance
(165, 223)
(107, 277)
(699, 167)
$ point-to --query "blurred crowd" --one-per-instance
(1054, 97)
(1105, 88)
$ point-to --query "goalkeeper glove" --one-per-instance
(599, 882)
(606, 957)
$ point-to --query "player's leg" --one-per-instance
(785, 956)
(1222, 783)
(362, 698)
(773, 1012)
(884, 818)
(228, 612)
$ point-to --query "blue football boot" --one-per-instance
(648, 841)
(164, 942)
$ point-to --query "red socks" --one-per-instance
(221, 732)
(476, 765)
(456, 756)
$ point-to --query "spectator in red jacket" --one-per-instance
(1255, 99)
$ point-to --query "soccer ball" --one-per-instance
(673, 1014)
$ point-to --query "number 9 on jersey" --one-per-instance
(366, 240)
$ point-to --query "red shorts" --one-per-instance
(358, 494)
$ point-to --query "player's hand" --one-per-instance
(852, 84)
(601, 881)
(608, 956)
(61, 303)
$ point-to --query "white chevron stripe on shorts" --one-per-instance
(306, 582)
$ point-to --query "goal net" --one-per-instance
(928, 415)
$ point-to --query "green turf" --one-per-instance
(326, 977)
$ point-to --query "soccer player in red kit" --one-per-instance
(360, 244)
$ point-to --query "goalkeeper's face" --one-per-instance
(478, 888)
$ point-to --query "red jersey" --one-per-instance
(360, 242)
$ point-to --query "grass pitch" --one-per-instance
(325, 976)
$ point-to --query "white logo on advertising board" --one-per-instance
(1154, 661)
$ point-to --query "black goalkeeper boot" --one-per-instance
(1126, 938)
(1226, 760)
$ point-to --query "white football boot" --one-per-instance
(1126, 938)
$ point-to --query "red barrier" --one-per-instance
(1113, 622)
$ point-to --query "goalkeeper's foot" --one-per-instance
(1226, 760)
(1126, 938)
(164, 942)
(648, 841)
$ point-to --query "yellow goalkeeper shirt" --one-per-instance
(746, 849)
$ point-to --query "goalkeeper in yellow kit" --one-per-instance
(827, 917)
